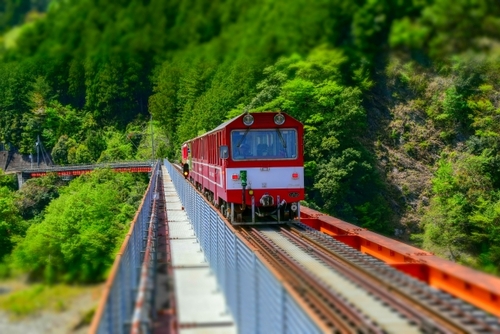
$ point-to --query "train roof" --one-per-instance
(223, 125)
(226, 123)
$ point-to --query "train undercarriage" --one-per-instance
(265, 212)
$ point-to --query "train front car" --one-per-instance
(264, 168)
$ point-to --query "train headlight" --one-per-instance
(294, 207)
(279, 119)
(248, 119)
(250, 192)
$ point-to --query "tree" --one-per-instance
(61, 150)
(36, 194)
(10, 222)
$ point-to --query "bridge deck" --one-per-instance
(200, 304)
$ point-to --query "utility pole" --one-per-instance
(152, 142)
(38, 151)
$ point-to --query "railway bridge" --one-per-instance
(183, 268)
(71, 171)
(30, 166)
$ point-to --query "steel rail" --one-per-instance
(335, 311)
(445, 316)
(300, 286)
(352, 272)
(440, 303)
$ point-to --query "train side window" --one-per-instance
(223, 152)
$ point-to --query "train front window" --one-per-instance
(268, 144)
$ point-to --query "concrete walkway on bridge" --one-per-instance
(200, 305)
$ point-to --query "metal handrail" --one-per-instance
(141, 320)
(109, 317)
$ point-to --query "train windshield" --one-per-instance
(265, 144)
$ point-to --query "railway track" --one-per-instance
(351, 292)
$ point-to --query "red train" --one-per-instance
(250, 167)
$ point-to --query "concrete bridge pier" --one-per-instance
(20, 179)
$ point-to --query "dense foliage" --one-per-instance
(60, 232)
(399, 97)
(77, 238)
(20, 209)
(462, 220)
(10, 221)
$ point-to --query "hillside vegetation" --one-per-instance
(58, 232)
(400, 98)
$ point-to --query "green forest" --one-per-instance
(400, 100)
(60, 232)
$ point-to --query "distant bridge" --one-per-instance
(71, 171)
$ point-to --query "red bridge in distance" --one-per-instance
(76, 170)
